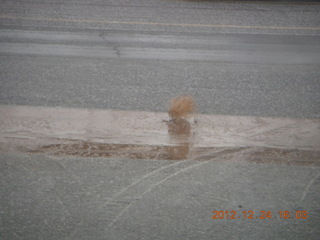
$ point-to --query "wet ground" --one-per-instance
(100, 174)
(246, 168)
(144, 135)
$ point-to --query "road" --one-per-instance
(249, 59)
(86, 147)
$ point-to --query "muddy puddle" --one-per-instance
(89, 149)
(145, 135)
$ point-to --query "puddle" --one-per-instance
(147, 135)
(88, 149)
(180, 136)
(248, 154)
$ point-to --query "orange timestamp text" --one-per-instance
(286, 214)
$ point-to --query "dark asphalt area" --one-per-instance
(259, 59)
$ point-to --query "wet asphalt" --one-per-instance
(45, 197)
(257, 59)
(249, 59)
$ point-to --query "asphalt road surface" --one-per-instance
(86, 148)
(258, 59)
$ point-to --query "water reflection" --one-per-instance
(179, 131)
